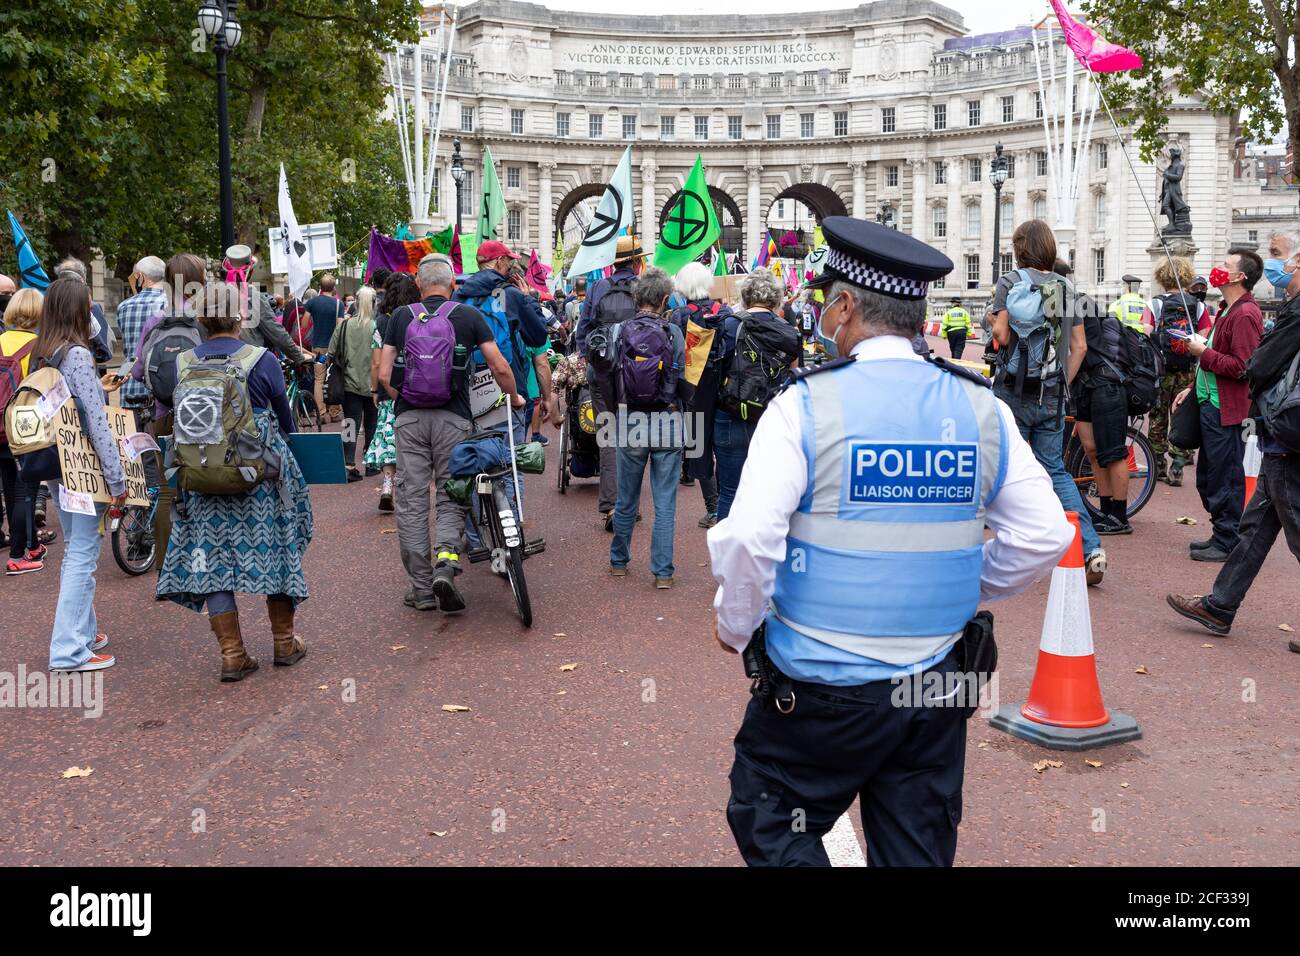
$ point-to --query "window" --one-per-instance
(805, 125)
(774, 81)
(842, 123)
(734, 128)
(842, 77)
(1103, 155)
(1040, 208)
(468, 197)
(808, 79)
(627, 81)
(702, 82)
(1011, 166)
(975, 170)
(467, 118)
(1038, 105)
(436, 206)
(887, 119)
(595, 126)
(517, 122)
(973, 113)
(1252, 236)
(514, 225)
(891, 175)
(561, 124)
(972, 272)
(941, 116)
(1008, 109)
(939, 283)
(973, 221)
(629, 127)
(945, 67)
(701, 127)
(514, 177)
(665, 82)
(939, 222)
(735, 81)
(667, 127)
(1099, 266)
(1005, 263)
(1007, 223)
(1099, 214)
(940, 172)
(1040, 163)
(562, 78)
(780, 209)
(1072, 261)
(774, 127)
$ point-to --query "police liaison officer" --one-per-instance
(858, 544)
(955, 327)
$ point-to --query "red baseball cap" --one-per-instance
(493, 250)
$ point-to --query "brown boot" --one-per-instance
(236, 664)
(289, 647)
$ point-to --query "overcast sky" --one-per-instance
(982, 16)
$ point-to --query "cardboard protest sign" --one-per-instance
(82, 473)
(486, 405)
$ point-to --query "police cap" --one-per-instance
(875, 257)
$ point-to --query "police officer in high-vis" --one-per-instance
(955, 327)
(856, 550)
(1128, 308)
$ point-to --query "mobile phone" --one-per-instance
(1179, 334)
(123, 373)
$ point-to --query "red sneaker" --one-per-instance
(100, 642)
(23, 566)
(97, 662)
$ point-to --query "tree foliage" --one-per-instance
(1237, 57)
(123, 97)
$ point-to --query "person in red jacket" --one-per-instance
(1224, 399)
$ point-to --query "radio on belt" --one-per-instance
(922, 473)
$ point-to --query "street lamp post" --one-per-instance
(457, 174)
(886, 216)
(997, 176)
(220, 23)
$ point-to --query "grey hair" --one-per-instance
(883, 314)
(152, 268)
(1292, 236)
(434, 273)
(760, 287)
(71, 268)
(651, 288)
(694, 280)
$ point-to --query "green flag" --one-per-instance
(492, 208)
(690, 225)
(442, 239)
(719, 262)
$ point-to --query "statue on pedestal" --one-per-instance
(1172, 205)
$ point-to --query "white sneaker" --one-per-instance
(1095, 567)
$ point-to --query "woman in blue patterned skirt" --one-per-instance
(251, 542)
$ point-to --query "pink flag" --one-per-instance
(537, 273)
(1091, 50)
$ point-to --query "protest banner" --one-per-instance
(82, 474)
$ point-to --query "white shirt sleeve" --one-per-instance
(748, 545)
(1029, 525)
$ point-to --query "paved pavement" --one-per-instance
(348, 757)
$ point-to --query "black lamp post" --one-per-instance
(886, 216)
(220, 23)
(458, 175)
(997, 176)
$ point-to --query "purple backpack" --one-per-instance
(430, 347)
(645, 362)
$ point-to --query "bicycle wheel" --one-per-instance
(513, 553)
(1141, 466)
(134, 547)
(562, 472)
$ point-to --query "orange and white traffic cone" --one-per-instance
(1251, 461)
(1065, 710)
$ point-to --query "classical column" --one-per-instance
(649, 224)
(545, 214)
(753, 209)
(859, 189)
(920, 170)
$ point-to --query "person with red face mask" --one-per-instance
(1221, 393)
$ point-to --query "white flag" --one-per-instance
(295, 249)
(613, 214)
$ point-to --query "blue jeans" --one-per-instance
(74, 618)
(665, 469)
(1042, 427)
(731, 446)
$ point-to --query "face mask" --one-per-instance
(1220, 277)
(1276, 274)
(1200, 295)
(827, 343)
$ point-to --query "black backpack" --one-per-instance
(1279, 407)
(166, 341)
(1137, 362)
(765, 348)
(1176, 314)
(615, 306)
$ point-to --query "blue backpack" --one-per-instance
(507, 338)
(1034, 311)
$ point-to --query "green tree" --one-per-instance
(1237, 57)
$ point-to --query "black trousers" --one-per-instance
(796, 774)
(1274, 509)
(956, 343)
(359, 416)
(19, 505)
(1221, 475)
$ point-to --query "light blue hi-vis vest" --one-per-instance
(884, 554)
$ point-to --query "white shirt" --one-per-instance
(1030, 528)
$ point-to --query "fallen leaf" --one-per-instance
(1186, 520)
(1124, 785)
(1093, 763)
(703, 564)
(1044, 764)
(1286, 627)
(659, 619)
(323, 687)
(439, 833)
(455, 708)
(77, 772)
(560, 634)
(1207, 645)
(568, 667)
(983, 744)
(1141, 669)
(397, 647)
(389, 531)
(561, 693)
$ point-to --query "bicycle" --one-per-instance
(134, 545)
(302, 402)
(1141, 469)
